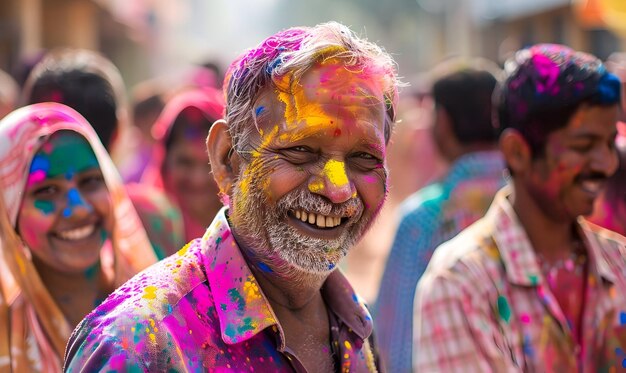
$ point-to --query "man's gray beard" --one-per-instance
(265, 230)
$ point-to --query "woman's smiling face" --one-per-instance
(66, 211)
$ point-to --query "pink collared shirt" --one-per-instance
(483, 304)
(202, 310)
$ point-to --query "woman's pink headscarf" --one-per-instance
(33, 330)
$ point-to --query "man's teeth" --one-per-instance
(77, 234)
(592, 186)
(320, 220)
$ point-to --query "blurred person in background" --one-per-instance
(300, 162)
(79, 236)
(413, 162)
(533, 286)
(148, 101)
(9, 94)
(180, 162)
(90, 84)
(465, 137)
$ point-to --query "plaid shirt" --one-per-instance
(483, 304)
(430, 217)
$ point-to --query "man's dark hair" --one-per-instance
(465, 94)
(545, 85)
(84, 81)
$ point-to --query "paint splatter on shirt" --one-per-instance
(431, 216)
(483, 304)
(202, 310)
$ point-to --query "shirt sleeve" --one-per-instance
(89, 352)
(405, 265)
(454, 329)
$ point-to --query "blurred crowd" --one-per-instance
(122, 177)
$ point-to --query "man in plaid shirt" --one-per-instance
(533, 286)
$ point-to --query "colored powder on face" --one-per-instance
(46, 207)
(67, 212)
(622, 318)
(36, 177)
(316, 186)
(336, 172)
(40, 163)
(259, 110)
(503, 309)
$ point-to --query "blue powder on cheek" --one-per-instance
(259, 110)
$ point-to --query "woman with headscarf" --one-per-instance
(70, 236)
(180, 163)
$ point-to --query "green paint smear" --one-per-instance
(70, 153)
(47, 207)
(534, 280)
(236, 298)
(247, 325)
(504, 309)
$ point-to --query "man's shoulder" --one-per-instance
(421, 202)
(469, 256)
(133, 315)
(153, 292)
(611, 245)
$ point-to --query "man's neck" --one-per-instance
(551, 238)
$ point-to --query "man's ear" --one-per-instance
(515, 150)
(224, 164)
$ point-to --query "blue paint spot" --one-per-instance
(73, 197)
(622, 318)
(259, 110)
(331, 266)
(40, 163)
(67, 212)
(169, 308)
(624, 363)
(619, 351)
(355, 298)
(264, 267)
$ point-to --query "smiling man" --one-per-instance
(533, 286)
(300, 162)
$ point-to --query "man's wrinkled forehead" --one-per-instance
(327, 94)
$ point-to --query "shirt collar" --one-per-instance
(346, 304)
(243, 310)
(516, 251)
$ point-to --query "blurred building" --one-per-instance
(496, 28)
(29, 27)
